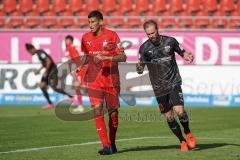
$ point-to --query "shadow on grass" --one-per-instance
(213, 145)
(198, 148)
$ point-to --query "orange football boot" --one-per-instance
(184, 146)
(191, 141)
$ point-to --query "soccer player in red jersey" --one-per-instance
(79, 73)
(102, 48)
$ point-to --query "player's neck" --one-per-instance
(98, 32)
(34, 52)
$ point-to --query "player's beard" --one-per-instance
(155, 40)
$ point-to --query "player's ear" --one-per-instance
(101, 22)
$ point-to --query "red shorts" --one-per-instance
(109, 94)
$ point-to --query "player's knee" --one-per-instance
(181, 114)
(183, 117)
(112, 111)
(179, 110)
(169, 116)
(115, 124)
(77, 84)
(42, 85)
(98, 111)
(113, 116)
(55, 88)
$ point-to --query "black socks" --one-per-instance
(46, 95)
(183, 118)
(174, 126)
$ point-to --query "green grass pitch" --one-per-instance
(28, 133)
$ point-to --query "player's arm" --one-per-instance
(85, 58)
(75, 58)
(141, 64)
(38, 70)
(120, 57)
(187, 56)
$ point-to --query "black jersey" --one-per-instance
(42, 55)
(161, 62)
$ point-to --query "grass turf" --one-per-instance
(217, 131)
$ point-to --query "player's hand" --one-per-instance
(187, 56)
(73, 73)
(36, 72)
(139, 68)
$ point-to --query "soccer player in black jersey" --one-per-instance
(158, 53)
(50, 76)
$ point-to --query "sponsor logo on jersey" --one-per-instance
(164, 59)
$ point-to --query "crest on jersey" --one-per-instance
(105, 43)
(109, 46)
(167, 48)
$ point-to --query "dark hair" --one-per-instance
(69, 37)
(96, 14)
(29, 46)
(150, 23)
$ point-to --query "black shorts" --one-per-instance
(175, 97)
(51, 79)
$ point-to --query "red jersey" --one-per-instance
(105, 73)
(73, 54)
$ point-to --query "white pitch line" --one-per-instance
(96, 142)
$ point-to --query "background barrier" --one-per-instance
(212, 80)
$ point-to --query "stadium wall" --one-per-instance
(212, 80)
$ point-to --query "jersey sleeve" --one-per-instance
(73, 52)
(83, 46)
(178, 48)
(117, 41)
(142, 58)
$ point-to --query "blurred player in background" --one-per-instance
(101, 47)
(158, 53)
(78, 74)
(50, 76)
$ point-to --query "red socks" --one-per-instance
(79, 96)
(101, 129)
(113, 125)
